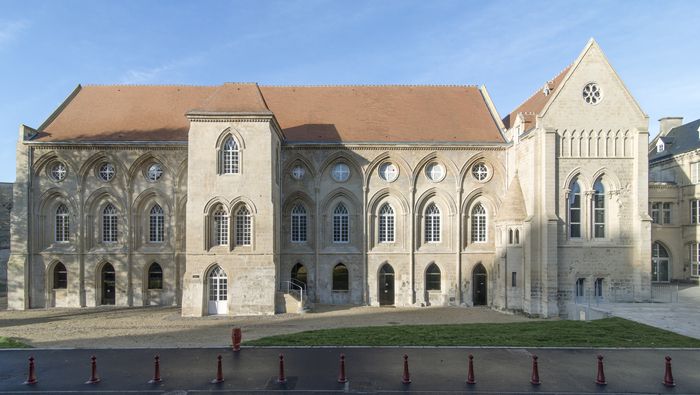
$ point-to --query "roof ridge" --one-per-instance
(150, 85)
(369, 85)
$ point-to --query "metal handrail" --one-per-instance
(294, 286)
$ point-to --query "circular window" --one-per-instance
(298, 172)
(58, 171)
(388, 172)
(592, 93)
(480, 171)
(106, 172)
(155, 171)
(435, 172)
(341, 172)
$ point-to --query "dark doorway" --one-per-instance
(386, 285)
(108, 282)
(299, 275)
(479, 285)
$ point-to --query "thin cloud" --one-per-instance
(9, 31)
(158, 73)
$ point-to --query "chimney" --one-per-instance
(668, 123)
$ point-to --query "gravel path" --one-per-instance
(110, 327)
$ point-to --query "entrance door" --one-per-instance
(386, 285)
(479, 285)
(218, 291)
(659, 263)
(108, 282)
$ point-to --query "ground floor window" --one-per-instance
(340, 278)
(432, 278)
(155, 276)
(660, 263)
(694, 260)
(598, 288)
(580, 288)
(60, 276)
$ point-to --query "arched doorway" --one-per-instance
(479, 285)
(386, 285)
(299, 275)
(659, 263)
(218, 291)
(108, 282)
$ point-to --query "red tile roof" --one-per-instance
(305, 114)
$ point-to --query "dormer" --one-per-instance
(660, 146)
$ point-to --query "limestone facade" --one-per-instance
(551, 208)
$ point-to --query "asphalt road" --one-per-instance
(505, 370)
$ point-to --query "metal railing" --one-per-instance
(294, 287)
(658, 293)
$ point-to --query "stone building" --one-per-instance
(215, 198)
(674, 201)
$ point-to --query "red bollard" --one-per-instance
(535, 378)
(219, 372)
(281, 379)
(600, 379)
(406, 379)
(236, 339)
(341, 375)
(31, 377)
(156, 374)
(668, 377)
(93, 375)
(470, 372)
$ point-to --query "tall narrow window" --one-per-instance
(229, 157)
(62, 224)
(598, 210)
(695, 172)
(575, 210)
(155, 276)
(299, 224)
(479, 224)
(243, 227)
(340, 278)
(156, 224)
(109, 224)
(432, 278)
(386, 224)
(220, 226)
(432, 224)
(656, 213)
(694, 260)
(580, 288)
(666, 211)
(598, 288)
(695, 211)
(60, 276)
(341, 224)
(660, 262)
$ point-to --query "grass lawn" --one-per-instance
(609, 332)
(6, 342)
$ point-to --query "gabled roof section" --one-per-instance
(513, 207)
(384, 113)
(535, 103)
(679, 140)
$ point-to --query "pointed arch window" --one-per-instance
(155, 276)
(432, 224)
(386, 224)
(299, 223)
(109, 224)
(243, 227)
(341, 224)
(220, 226)
(574, 206)
(62, 224)
(340, 278)
(60, 276)
(230, 157)
(479, 224)
(432, 278)
(156, 224)
(598, 209)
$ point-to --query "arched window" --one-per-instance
(299, 275)
(432, 278)
(574, 203)
(517, 236)
(229, 157)
(479, 224)
(598, 209)
(432, 224)
(60, 276)
(220, 226)
(243, 227)
(660, 263)
(62, 224)
(341, 224)
(155, 276)
(340, 278)
(109, 224)
(299, 224)
(386, 224)
(156, 224)
(510, 236)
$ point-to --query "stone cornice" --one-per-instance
(111, 146)
(383, 146)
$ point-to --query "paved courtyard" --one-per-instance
(161, 327)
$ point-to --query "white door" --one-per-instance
(218, 291)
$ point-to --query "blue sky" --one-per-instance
(513, 47)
